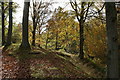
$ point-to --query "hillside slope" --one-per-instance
(43, 63)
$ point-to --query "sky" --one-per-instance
(18, 15)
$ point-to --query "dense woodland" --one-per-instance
(82, 42)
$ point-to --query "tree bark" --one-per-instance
(56, 42)
(34, 31)
(25, 43)
(39, 37)
(112, 41)
(9, 37)
(34, 25)
(47, 39)
(81, 27)
(3, 24)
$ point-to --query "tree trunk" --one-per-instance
(81, 25)
(34, 25)
(39, 37)
(34, 31)
(3, 24)
(56, 42)
(9, 37)
(46, 41)
(25, 43)
(112, 41)
(33, 37)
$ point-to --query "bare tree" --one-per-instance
(39, 13)
(81, 14)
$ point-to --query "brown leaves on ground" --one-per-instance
(39, 66)
(9, 65)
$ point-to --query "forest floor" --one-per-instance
(41, 63)
(0, 63)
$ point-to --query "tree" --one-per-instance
(112, 40)
(81, 14)
(95, 41)
(39, 13)
(9, 36)
(61, 30)
(25, 43)
(47, 37)
(55, 23)
(118, 20)
(3, 25)
(34, 22)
